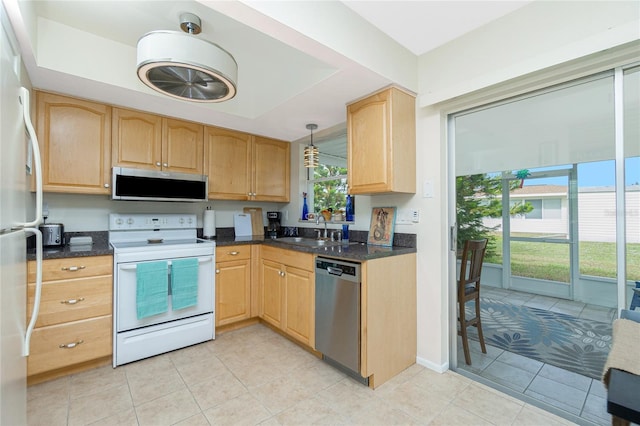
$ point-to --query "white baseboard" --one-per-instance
(439, 368)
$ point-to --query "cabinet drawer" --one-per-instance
(72, 300)
(239, 252)
(47, 353)
(73, 267)
(289, 257)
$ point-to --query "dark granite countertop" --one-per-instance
(99, 247)
(356, 249)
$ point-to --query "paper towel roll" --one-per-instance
(209, 224)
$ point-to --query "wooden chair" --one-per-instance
(469, 290)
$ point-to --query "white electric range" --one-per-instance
(162, 238)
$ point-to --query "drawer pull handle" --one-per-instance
(72, 268)
(217, 271)
(234, 253)
(70, 345)
(72, 301)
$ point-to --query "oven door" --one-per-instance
(125, 296)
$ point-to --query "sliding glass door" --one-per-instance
(540, 232)
(564, 220)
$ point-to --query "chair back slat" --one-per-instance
(472, 258)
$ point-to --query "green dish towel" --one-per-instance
(152, 288)
(184, 283)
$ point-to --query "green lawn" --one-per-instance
(551, 261)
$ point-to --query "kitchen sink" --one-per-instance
(308, 242)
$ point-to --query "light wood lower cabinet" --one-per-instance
(388, 323)
(233, 284)
(75, 319)
(67, 344)
(288, 292)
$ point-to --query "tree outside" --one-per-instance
(477, 198)
(327, 192)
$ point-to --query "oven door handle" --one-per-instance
(133, 266)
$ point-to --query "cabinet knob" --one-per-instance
(217, 271)
(70, 345)
(282, 274)
(106, 185)
(233, 253)
(158, 163)
(72, 268)
(165, 164)
(72, 301)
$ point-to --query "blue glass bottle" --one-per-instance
(305, 208)
(349, 209)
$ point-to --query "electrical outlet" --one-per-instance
(415, 215)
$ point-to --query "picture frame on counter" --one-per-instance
(382, 226)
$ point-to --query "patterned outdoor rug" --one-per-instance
(562, 340)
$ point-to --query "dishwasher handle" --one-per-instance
(334, 271)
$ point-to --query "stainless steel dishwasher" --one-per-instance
(338, 314)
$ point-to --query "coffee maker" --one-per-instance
(273, 228)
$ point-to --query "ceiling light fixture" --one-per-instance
(186, 67)
(310, 151)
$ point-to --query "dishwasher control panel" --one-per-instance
(336, 267)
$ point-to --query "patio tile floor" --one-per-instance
(581, 398)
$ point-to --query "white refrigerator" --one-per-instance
(19, 160)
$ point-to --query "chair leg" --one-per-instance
(463, 334)
(479, 326)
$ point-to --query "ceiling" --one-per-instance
(298, 62)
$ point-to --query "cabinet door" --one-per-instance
(75, 140)
(228, 164)
(182, 146)
(72, 300)
(381, 143)
(368, 145)
(233, 291)
(271, 159)
(300, 305)
(137, 139)
(71, 343)
(272, 296)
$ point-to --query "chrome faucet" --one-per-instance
(325, 224)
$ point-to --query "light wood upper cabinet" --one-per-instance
(271, 162)
(241, 166)
(381, 143)
(228, 164)
(75, 140)
(148, 141)
(182, 146)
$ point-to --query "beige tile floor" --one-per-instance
(255, 376)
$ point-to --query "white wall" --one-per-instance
(511, 56)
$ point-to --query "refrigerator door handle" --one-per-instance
(33, 138)
(38, 292)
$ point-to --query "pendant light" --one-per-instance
(310, 151)
(186, 67)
